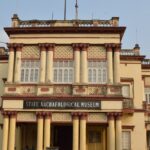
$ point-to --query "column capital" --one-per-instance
(117, 47)
(108, 47)
(50, 46)
(110, 116)
(84, 46)
(5, 113)
(19, 46)
(118, 116)
(10, 46)
(83, 116)
(47, 115)
(9, 113)
(42, 46)
(76, 46)
(39, 114)
(75, 115)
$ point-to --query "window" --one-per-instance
(126, 91)
(94, 137)
(147, 95)
(97, 72)
(126, 140)
(30, 71)
(63, 71)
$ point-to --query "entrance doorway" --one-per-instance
(62, 136)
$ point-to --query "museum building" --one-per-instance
(68, 85)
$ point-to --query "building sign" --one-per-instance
(42, 104)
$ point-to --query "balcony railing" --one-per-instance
(63, 89)
(129, 52)
(146, 62)
(16, 22)
(128, 104)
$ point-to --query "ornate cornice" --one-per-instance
(65, 30)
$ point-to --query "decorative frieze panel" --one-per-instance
(28, 90)
(96, 52)
(114, 90)
(63, 52)
(62, 90)
(31, 52)
(80, 90)
(97, 117)
(97, 90)
(61, 117)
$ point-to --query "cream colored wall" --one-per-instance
(65, 38)
(139, 132)
(133, 70)
(3, 74)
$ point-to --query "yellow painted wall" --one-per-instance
(3, 74)
(138, 135)
(133, 70)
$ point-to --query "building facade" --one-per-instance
(69, 85)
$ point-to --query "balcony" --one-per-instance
(62, 89)
(128, 106)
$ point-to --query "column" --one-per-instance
(76, 48)
(47, 130)
(10, 63)
(84, 63)
(39, 131)
(49, 70)
(5, 131)
(75, 118)
(18, 63)
(118, 132)
(43, 63)
(12, 131)
(111, 132)
(18, 138)
(109, 63)
(117, 63)
(83, 131)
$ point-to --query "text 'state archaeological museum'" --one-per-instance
(68, 85)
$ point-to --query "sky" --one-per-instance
(134, 14)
